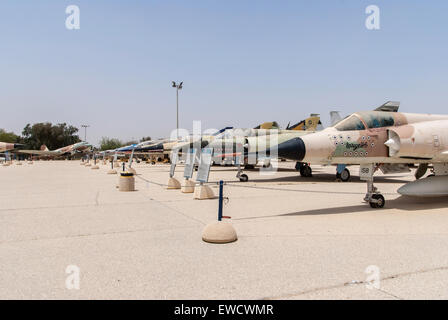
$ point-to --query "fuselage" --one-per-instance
(361, 138)
(4, 146)
(77, 147)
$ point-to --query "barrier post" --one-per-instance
(221, 186)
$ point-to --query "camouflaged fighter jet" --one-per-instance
(5, 147)
(80, 147)
(161, 149)
(251, 145)
(383, 140)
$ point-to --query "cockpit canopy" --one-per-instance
(373, 119)
(350, 123)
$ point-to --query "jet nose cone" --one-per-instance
(293, 149)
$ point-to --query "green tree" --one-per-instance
(10, 137)
(109, 143)
(53, 136)
(145, 139)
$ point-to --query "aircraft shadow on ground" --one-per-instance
(401, 203)
(256, 169)
(324, 177)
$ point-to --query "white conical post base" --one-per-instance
(219, 232)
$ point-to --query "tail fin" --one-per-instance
(44, 148)
(335, 117)
(389, 106)
(309, 124)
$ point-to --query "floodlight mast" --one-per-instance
(178, 87)
(85, 131)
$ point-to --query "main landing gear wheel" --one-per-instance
(306, 171)
(344, 176)
(244, 178)
(377, 201)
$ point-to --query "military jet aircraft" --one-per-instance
(163, 148)
(383, 140)
(251, 144)
(4, 146)
(80, 147)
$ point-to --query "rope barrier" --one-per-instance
(244, 185)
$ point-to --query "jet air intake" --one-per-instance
(393, 143)
(410, 142)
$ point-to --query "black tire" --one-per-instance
(380, 201)
(244, 178)
(306, 171)
(344, 176)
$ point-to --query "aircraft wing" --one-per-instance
(39, 152)
(227, 155)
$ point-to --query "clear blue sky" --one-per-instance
(242, 62)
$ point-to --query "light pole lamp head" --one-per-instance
(180, 85)
(173, 84)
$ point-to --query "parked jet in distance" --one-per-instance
(163, 148)
(80, 147)
(310, 124)
(249, 144)
(4, 146)
(383, 140)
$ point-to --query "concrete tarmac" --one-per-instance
(299, 238)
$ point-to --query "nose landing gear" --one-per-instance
(304, 169)
(373, 196)
(240, 175)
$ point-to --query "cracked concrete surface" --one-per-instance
(299, 238)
